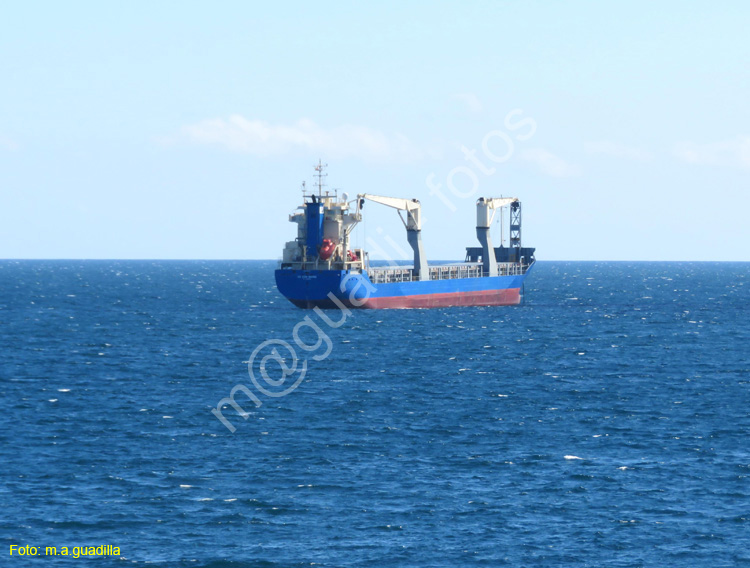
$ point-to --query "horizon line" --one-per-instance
(375, 260)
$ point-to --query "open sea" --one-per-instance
(605, 422)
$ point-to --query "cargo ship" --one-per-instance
(321, 269)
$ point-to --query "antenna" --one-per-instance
(321, 175)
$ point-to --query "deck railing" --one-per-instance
(389, 275)
(355, 265)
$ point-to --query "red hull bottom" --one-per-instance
(507, 297)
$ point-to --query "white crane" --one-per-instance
(413, 224)
(487, 207)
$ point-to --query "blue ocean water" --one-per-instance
(603, 423)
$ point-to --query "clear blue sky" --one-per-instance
(183, 130)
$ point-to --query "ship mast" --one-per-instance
(320, 175)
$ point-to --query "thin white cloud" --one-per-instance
(549, 163)
(8, 144)
(734, 152)
(261, 138)
(616, 150)
(471, 101)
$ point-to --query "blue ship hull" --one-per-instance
(336, 288)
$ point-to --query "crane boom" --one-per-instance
(413, 226)
(488, 206)
(411, 206)
(498, 202)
